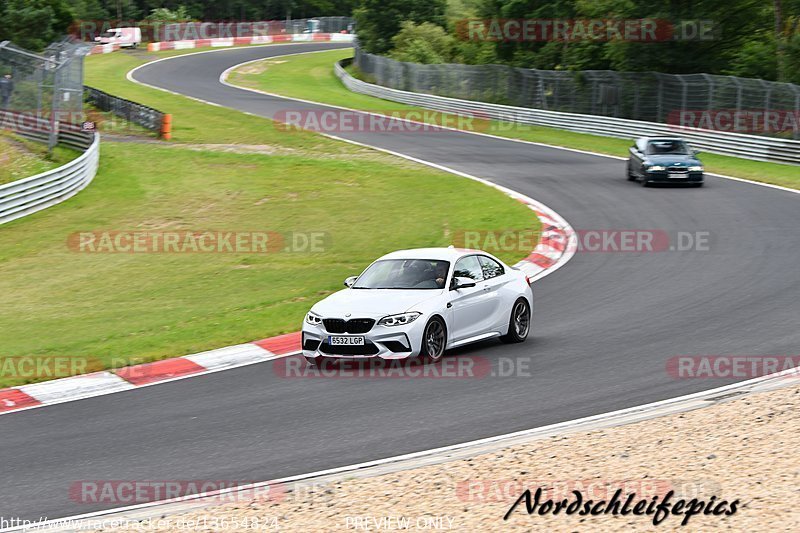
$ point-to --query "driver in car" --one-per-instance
(441, 274)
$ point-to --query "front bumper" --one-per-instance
(665, 177)
(396, 342)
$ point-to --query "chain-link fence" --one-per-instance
(41, 95)
(725, 103)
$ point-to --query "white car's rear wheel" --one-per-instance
(434, 340)
(520, 322)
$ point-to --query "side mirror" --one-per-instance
(462, 283)
(349, 282)
(696, 152)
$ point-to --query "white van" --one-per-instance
(124, 37)
(312, 26)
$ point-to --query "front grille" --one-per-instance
(354, 325)
(682, 170)
(338, 349)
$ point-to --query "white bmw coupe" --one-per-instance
(419, 303)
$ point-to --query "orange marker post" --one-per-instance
(166, 127)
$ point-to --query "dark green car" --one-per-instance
(664, 160)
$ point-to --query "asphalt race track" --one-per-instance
(605, 326)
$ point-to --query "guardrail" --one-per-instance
(29, 195)
(75, 139)
(718, 142)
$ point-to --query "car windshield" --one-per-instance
(404, 274)
(110, 33)
(667, 147)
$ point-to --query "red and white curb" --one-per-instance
(104, 49)
(131, 377)
(557, 242)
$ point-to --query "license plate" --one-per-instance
(345, 341)
(678, 175)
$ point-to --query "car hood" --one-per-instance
(673, 160)
(372, 303)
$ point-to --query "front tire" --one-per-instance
(434, 340)
(519, 325)
(628, 172)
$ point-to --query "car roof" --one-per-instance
(443, 254)
(658, 139)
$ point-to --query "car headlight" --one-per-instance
(696, 168)
(399, 320)
(656, 168)
(313, 318)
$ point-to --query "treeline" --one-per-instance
(750, 38)
(35, 23)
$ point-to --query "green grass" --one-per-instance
(142, 307)
(311, 77)
(194, 121)
(21, 158)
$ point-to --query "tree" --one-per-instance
(378, 21)
(786, 35)
(33, 24)
(756, 59)
(422, 43)
(163, 14)
(740, 27)
(86, 10)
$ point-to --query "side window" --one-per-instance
(469, 267)
(491, 268)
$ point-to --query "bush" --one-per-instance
(422, 43)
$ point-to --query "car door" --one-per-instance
(472, 307)
(494, 279)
